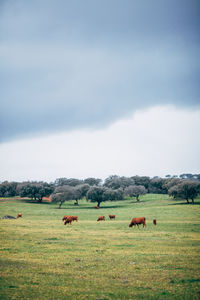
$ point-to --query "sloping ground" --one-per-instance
(43, 259)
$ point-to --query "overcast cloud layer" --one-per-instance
(72, 64)
(157, 141)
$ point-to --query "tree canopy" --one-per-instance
(35, 190)
(135, 191)
(186, 189)
(101, 194)
(62, 194)
(116, 182)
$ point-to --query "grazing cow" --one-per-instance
(97, 207)
(101, 218)
(65, 217)
(75, 218)
(19, 215)
(112, 216)
(68, 220)
(138, 221)
(154, 222)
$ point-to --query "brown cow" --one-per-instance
(68, 220)
(65, 217)
(101, 218)
(138, 221)
(97, 207)
(112, 216)
(75, 218)
(154, 222)
(19, 215)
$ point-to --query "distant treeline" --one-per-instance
(185, 186)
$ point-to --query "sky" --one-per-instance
(95, 88)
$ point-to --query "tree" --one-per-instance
(3, 188)
(135, 191)
(101, 194)
(168, 176)
(157, 186)
(35, 190)
(93, 181)
(171, 182)
(186, 189)
(112, 195)
(62, 194)
(142, 180)
(116, 182)
(95, 194)
(68, 181)
(190, 176)
(186, 176)
(80, 191)
(8, 189)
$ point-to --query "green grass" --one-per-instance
(40, 258)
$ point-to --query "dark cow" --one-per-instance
(138, 221)
(101, 218)
(112, 216)
(68, 220)
(154, 222)
(75, 218)
(19, 215)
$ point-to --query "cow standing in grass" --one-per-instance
(68, 220)
(138, 221)
(74, 218)
(19, 215)
(101, 218)
(65, 217)
(112, 217)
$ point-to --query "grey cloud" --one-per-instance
(72, 64)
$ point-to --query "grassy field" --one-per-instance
(40, 258)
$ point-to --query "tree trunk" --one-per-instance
(137, 198)
(60, 204)
(192, 200)
(187, 201)
(98, 204)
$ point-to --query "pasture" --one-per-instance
(40, 258)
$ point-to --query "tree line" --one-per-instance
(113, 188)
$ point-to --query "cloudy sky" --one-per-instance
(99, 87)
